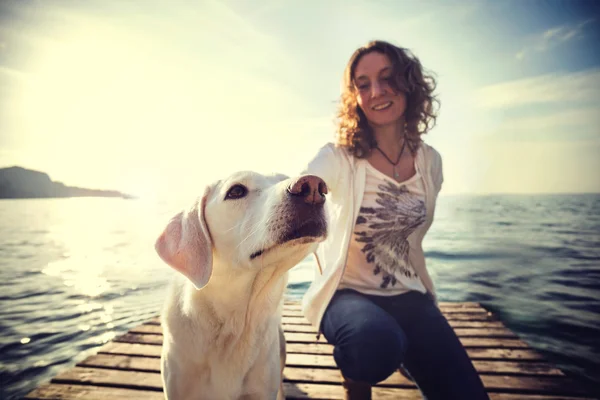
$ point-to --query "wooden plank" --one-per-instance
(294, 391)
(152, 381)
(152, 364)
(450, 317)
(297, 391)
(149, 350)
(476, 324)
(297, 321)
(466, 341)
(522, 384)
(110, 377)
(480, 317)
(461, 332)
(133, 379)
(447, 308)
(453, 324)
(474, 353)
(88, 392)
(131, 349)
(155, 340)
(147, 329)
(304, 391)
(448, 313)
(113, 361)
(482, 367)
(307, 338)
(441, 304)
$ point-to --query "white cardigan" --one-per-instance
(345, 179)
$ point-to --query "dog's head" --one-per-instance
(246, 221)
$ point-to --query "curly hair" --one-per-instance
(354, 132)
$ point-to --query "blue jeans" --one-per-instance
(374, 335)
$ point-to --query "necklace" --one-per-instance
(396, 174)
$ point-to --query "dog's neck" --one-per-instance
(240, 298)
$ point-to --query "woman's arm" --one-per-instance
(437, 173)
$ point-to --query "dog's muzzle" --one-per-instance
(310, 189)
(304, 212)
(307, 199)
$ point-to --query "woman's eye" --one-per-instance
(236, 192)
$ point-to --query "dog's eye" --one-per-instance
(236, 192)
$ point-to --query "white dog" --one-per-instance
(233, 248)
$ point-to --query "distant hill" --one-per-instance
(21, 183)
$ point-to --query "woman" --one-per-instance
(373, 298)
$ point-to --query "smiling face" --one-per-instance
(377, 97)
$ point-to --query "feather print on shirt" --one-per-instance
(385, 231)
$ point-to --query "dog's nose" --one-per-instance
(310, 187)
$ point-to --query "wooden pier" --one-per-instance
(129, 366)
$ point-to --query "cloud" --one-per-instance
(553, 37)
(494, 165)
(12, 73)
(579, 124)
(581, 86)
(576, 117)
(556, 107)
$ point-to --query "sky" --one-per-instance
(155, 98)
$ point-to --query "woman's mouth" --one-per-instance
(382, 106)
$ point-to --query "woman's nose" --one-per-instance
(377, 89)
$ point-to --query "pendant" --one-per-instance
(396, 174)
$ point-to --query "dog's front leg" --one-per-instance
(263, 381)
(254, 396)
(264, 393)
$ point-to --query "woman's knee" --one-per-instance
(372, 353)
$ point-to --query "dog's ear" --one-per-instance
(186, 246)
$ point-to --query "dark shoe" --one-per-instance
(356, 390)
